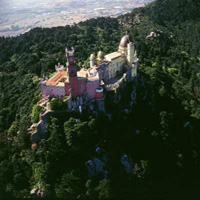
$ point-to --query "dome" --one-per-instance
(100, 55)
(124, 41)
(92, 57)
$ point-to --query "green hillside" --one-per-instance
(160, 133)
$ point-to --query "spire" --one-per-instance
(92, 60)
(70, 56)
(71, 63)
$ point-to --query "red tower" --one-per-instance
(72, 72)
(71, 63)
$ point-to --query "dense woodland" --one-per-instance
(166, 152)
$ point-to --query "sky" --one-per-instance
(22, 3)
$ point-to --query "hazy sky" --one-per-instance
(22, 3)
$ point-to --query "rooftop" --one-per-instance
(82, 73)
(112, 56)
(56, 78)
(86, 74)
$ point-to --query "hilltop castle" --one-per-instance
(86, 88)
(87, 85)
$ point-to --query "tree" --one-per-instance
(35, 80)
(55, 139)
(35, 116)
(39, 174)
(69, 186)
(91, 193)
(80, 136)
(23, 138)
(12, 131)
(57, 104)
(6, 117)
(104, 189)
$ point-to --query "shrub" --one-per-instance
(57, 104)
(35, 116)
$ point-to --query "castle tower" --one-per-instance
(100, 57)
(72, 72)
(123, 45)
(130, 53)
(69, 101)
(92, 60)
(99, 93)
(100, 99)
(132, 59)
(71, 63)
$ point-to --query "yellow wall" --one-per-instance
(115, 65)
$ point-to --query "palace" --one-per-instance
(104, 73)
(85, 89)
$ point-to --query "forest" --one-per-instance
(159, 134)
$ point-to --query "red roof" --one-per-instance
(55, 78)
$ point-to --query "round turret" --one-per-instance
(92, 57)
(124, 42)
(100, 55)
(92, 60)
(99, 93)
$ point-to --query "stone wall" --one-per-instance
(91, 88)
(38, 129)
(116, 85)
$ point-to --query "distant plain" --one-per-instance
(19, 16)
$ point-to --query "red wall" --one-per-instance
(91, 88)
(82, 86)
(99, 95)
(67, 89)
(74, 86)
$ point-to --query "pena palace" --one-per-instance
(104, 74)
